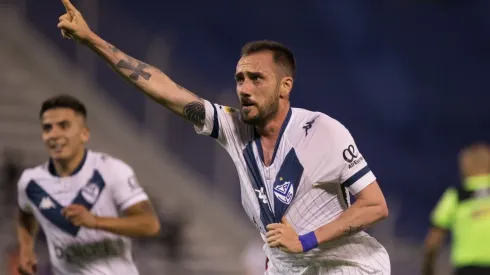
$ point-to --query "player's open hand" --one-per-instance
(80, 216)
(283, 236)
(72, 24)
(27, 262)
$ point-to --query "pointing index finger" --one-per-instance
(68, 5)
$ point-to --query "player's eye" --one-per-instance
(64, 125)
(256, 77)
(239, 79)
(47, 127)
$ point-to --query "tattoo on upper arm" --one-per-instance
(195, 112)
(353, 229)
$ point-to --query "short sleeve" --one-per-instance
(443, 214)
(221, 123)
(338, 157)
(126, 189)
(22, 199)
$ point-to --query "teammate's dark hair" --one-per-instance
(63, 101)
(281, 54)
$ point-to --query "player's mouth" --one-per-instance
(247, 105)
(56, 147)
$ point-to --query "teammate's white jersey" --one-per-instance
(314, 163)
(106, 186)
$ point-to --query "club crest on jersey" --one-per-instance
(90, 192)
(284, 192)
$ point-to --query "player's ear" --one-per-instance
(286, 87)
(85, 132)
(85, 135)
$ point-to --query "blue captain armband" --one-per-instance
(308, 241)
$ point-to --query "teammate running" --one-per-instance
(77, 197)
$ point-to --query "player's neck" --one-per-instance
(271, 128)
(66, 168)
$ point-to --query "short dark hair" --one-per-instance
(282, 55)
(63, 101)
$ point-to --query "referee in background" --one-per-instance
(465, 212)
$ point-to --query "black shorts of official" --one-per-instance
(473, 270)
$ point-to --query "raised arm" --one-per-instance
(147, 78)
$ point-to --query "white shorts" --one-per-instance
(275, 269)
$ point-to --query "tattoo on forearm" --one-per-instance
(113, 48)
(136, 66)
(353, 229)
(195, 112)
(138, 70)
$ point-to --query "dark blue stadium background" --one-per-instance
(410, 79)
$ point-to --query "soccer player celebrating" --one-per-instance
(295, 166)
(76, 198)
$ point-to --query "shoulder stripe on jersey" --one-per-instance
(51, 209)
(464, 194)
(345, 195)
(359, 174)
(215, 133)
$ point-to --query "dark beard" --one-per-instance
(265, 113)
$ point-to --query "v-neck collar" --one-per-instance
(53, 172)
(278, 141)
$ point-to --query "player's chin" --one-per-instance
(60, 155)
(250, 115)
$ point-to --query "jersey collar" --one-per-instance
(53, 172)
(278, 141)
(477, 182)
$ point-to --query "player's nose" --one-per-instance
(54, 134)
(246, 88)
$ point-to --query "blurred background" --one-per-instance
(409, 78)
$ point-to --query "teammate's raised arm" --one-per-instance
(147, 78)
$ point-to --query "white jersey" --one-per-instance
(315, 162)
(104, 185)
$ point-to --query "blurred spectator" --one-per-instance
(172, 235)
(13, 261)
(10, 172)
(171, 238)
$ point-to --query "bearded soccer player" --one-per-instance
(76, 198)
(295, 166)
